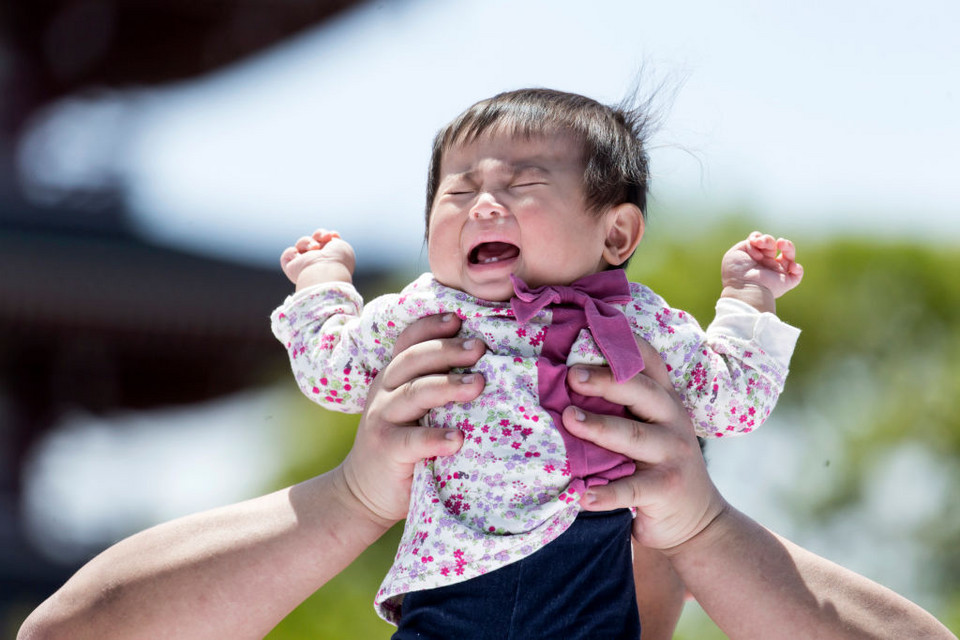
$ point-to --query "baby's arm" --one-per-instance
(336, 343)
(759, 270)
(321, 328)
(317, 259)
(729, 376)
(321, 331)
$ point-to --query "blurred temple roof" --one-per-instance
(92, 314)
(73, 271)
(53, 48)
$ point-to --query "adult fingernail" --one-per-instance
(451, 434)
(469, 344)
(578, 415)
(589, 498)
(447, 317)
(467, 378)
(582, 374)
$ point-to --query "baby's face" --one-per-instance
(512, 205)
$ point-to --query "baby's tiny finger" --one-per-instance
(787, 248)
(769, 246)
(755, 253)
(761, 247)
(305, 243)
(324, 236)
(288, 254)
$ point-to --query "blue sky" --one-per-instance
(839, 117)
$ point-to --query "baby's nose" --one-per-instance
(487, 207)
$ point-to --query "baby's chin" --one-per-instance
(499, 293)
(490, 291)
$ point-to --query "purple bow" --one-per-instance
(595, 294)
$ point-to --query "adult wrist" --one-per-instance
(715, 528)
(367, 522)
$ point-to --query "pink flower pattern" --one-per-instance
(506, 493)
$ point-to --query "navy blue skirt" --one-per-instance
(578, 586)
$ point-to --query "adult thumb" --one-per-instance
(416, 443)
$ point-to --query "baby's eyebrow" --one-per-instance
(530, 167)
(510, 170)
(515, 169)
(457, 178)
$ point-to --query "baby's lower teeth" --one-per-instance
(489, 260)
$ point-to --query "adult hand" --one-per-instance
(754, 584)
(379, 468)
(673, 494)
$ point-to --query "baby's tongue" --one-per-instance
(496, 251)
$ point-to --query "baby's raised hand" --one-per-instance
(761, 261)
(333, 257)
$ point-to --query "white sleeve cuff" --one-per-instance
(739, 320)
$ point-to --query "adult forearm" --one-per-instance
(233, 572)
(755, 584)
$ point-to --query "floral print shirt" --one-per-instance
(509, 489)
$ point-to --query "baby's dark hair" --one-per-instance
(613, 139)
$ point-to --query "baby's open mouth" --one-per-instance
(490, 252)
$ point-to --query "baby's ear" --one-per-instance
(624, 229)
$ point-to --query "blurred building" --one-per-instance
(92, 314)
